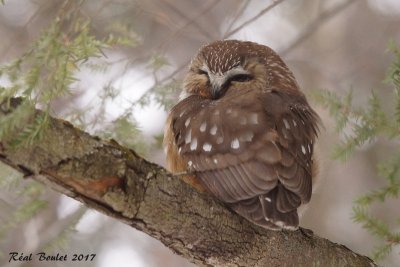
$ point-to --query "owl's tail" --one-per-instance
(274, 210)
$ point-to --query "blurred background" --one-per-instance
(333, 45)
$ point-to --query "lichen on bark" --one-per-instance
(116, 181)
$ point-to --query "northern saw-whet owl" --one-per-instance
(244, 132)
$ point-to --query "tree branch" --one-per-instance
(247, 22)
(117, 182)
(316, 24)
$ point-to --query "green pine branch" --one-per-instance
(365, 125)
(48, 71)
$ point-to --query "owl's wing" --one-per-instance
(251, 150)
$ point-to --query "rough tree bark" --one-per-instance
(117, 182)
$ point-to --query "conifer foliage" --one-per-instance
(362, 125)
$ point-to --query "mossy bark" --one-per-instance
(116, 181)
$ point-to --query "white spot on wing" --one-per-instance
(213, 130)
(188, 137)
(294, 123)
(303, 149)
(253, 118)
(286, 124)
(187, 122)
(207, 147)
(203, 127)
(193, 144)
(216, 161)
(235, 143)
(284, 133)
(268, 199)
(220, 140)
(190, 163)
(247, 137)
(284, 226)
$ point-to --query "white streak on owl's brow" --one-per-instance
(280, 75)
(213, 130)
(207, 147)
(203, 127)
(193, 144)
(235, 143)
(273, 64)
(309, 148)
(188, 137)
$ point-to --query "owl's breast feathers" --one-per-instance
(251, 149)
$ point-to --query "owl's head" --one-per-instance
(228, 65)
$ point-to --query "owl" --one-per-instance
(244, 132)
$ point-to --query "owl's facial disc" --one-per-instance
(220, 81)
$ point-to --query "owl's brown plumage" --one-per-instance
(245, 132)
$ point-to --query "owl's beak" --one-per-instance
(218, 85)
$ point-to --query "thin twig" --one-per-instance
(260, 14)
(11, 44)
(323, 17)
(163, 80)
(237, 16)
(192, 20)
(189, 22)
(180, 68)
(312, 27)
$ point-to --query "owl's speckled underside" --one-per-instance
(246, 132)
